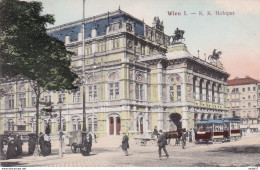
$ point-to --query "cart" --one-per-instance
(75, 141)
(143, 139)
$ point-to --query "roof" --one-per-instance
(210, 121)
(242, 81)
(101, 21)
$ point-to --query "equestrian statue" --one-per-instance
(215, 55)
(178, 35)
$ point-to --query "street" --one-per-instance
(106, 153)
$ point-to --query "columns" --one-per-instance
(159, 68)
(135, 118)
(185, 118)
(203, 93)
(197, 93)
(147, 119)
(160, 118)
(210, 94)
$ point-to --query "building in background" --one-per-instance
(244, 102)
(137, 77)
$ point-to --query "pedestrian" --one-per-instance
(95, 138)
(125, 144)
(183, 138)
(162, 144)
(41, 142)
(19, 145)
(190, 135)
(155, 132)
(62, 138)
(11, 148)
(47, 144)
(90, 142)
(31, 143)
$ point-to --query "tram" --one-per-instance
(220, 130)
(232, 129)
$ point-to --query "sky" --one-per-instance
(237, 36)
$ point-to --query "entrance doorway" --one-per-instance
(141, 125)
(114, 125)
(175, 123)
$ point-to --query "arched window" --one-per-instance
(63, 124)
(194, 87)
(76, 96)
(10, 125)
(201, 89)
(113, 86)
(92, 88)
(139, 88)
(213, 92)
(207, 91)
(90, 124)
(172, 93)
(76, 124)
(175, 88)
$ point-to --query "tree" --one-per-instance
(26, 49)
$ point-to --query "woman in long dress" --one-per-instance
(11, 149)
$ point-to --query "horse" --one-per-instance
(215, 55)
(174, 135)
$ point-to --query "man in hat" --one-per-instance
(19, 145)
(125, 144)
(41, 142)
(161, 144)
(155, 132)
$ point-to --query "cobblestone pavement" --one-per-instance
(245, 152)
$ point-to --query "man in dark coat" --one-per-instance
(11, 149)
(161, 144)
(183, 137)
(19, 145)
(90, 141)
(155, 132)
(31, 143)
(125, 144)
(41, 142)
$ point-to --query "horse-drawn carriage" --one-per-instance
(75, 142)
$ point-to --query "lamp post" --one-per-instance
(60, 104)
(84, 129)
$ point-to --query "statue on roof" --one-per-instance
(178, 35)
(215, 55)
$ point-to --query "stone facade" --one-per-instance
(244, 102)
(136, 79)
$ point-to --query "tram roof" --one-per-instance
(210, 121)
(232, 119)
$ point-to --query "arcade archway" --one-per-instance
(175, 121)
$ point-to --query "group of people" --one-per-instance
(161, 142)
(14, 148)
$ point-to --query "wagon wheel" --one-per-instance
(143, 142)
(153, 142)
(74, 147)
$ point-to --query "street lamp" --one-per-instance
(83, 77)
(60, 104)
